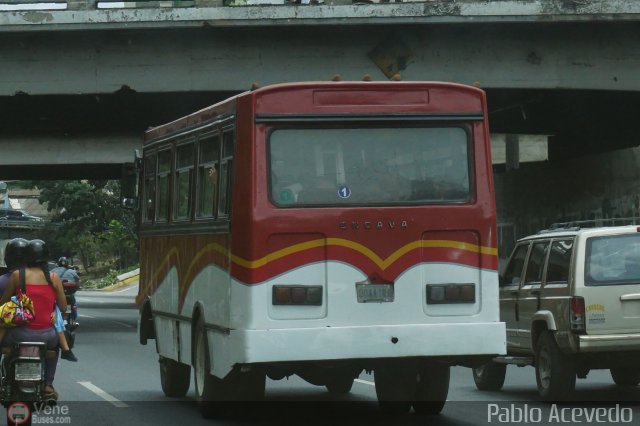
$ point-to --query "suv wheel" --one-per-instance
(625, 376)
(490, 376)
(555, 371)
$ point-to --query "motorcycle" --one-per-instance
(69, 325)
(22, 380)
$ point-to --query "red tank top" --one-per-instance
(44, 298)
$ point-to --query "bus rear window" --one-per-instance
(369, 166)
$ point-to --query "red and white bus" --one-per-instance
(321, 229)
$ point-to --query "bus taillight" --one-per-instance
(450, 293)
(297, 295)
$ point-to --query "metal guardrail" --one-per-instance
(23, 224)
(12, 5)
(112, 4)
(99, 4)
(30, 1)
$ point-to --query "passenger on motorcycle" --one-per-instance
(71, 282)
(45, 291)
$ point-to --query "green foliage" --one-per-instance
(102, 279)
(88, 222)
(118, 242)
(110, 279)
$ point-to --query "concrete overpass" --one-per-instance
(79, 85)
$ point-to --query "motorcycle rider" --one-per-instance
(69, 278)
(45, 291)
(14, 258)
(14, 255)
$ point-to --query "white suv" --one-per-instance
(570, 299)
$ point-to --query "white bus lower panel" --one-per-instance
(364, 342)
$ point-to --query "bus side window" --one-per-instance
(164, 171)
(149, 189)
(208, 167)
(184, 172)
(225, 173)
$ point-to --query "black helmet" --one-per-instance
(63, 261)
(37, 252)
(14, 253)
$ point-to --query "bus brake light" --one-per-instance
(296, 295)
(450, 293)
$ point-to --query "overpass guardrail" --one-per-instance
(23, 224)
(20, 15)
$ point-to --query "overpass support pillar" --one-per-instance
(512, 152)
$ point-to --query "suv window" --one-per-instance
(513, 273)
(613, 259)
(535, 266)
(559, 261)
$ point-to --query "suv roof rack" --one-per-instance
(576, 225)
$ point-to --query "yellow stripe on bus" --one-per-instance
(296, 248)
(382, 263)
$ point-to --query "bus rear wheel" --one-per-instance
(340, 385)
(175, 377)
(490, 376)
(209, 389)
(432, 388)
(395, 387)
(625, 376)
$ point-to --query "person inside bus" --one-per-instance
(46, 292)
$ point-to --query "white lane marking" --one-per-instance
(102, 394)
(124, 324)
(120, 290)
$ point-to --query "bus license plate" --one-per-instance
(374, 293)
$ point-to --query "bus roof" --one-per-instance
(331, 97)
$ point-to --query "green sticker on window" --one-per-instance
(286, 196)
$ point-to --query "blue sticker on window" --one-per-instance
(344, 192)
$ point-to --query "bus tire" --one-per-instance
(432, 388)
(246, 386)
(340, 385)
(175, 377)
(625, 376)
(395, 387)
(209, 389)
(489, 376)
(555, 371)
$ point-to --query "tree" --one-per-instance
(87, 221)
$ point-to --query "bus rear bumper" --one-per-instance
(366, 342)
